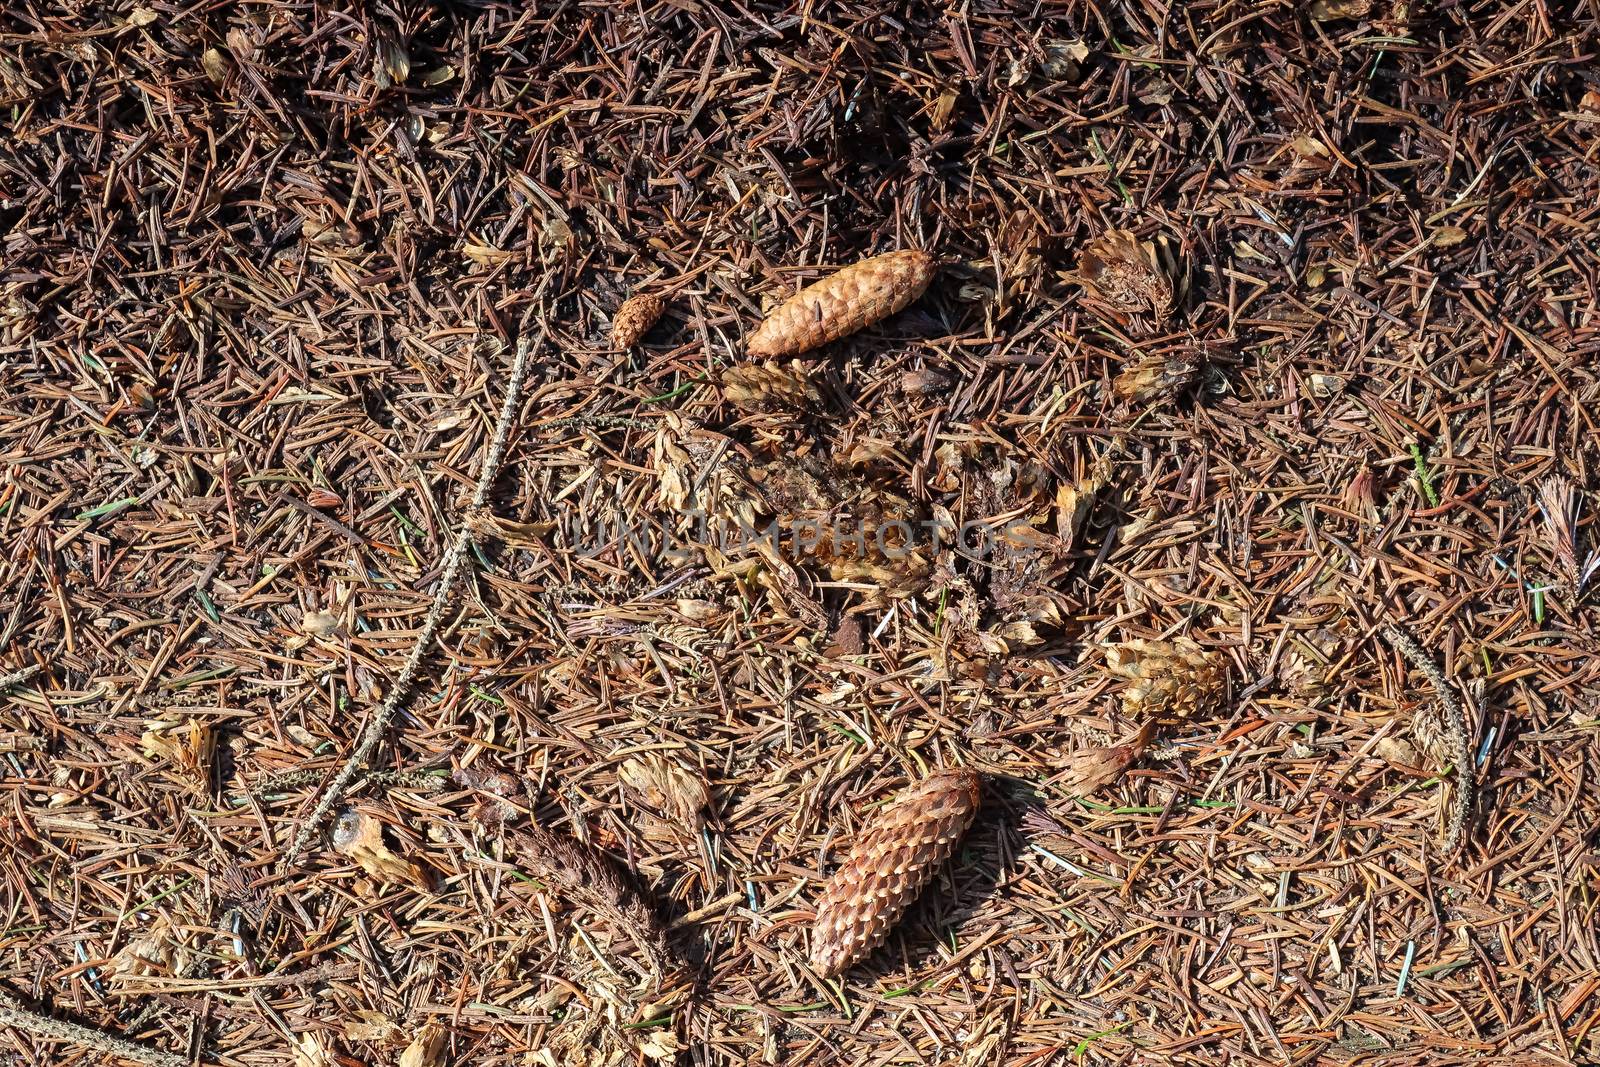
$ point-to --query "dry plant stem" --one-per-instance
(1455, 720)
(15, 1016)
(453, 558)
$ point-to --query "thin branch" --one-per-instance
(17, 677)
(17, 1017)
(453, 558)
(593, 880)
(1456, 727)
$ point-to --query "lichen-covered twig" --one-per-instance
(453, 558)
(15, 1016)
(1457, 731)
(19, 676)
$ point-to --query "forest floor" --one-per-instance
(264, 273)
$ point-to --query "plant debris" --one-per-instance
(848, 300)
(360, 837)
(326, 486)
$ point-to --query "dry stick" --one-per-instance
(441, 597)
(1455, 722)
(19, 676)
(15, 1016)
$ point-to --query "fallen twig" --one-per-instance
(1456, 728)
(13, 1014)
(19, 676)
(453, 558)
(591, 878)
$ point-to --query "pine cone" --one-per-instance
(844, 302)
(1172, 680)
(890, 862)
(768, 386)
(634, 318)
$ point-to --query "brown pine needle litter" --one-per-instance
(1073, 392)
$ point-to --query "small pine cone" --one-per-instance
(768, 386)
(1172, 680)
(844, 302)
(1125, 273)
(890, 862)
(634, 318)
(1153, 378)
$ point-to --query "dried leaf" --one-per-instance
(310, 1052)
(485, 525)
(1448, 236)
(486, 255)
(1329, 10)
(187, 743)
(371, 1025)
(1326, 385)
(1126, 273)
(1094, 768)
(426, 1049)
(162, 951)
(923, 382)
(216, 65)
(1307, 147)
(661, 1045)
(319, 623)
(360, 837)
(666, 786)
(1397, 750)
(1075, 502)
(393, 62)
(241, 43)
(1154, 378)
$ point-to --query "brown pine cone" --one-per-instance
(1172, 680)
(890, 861)
(634, 318)
(844, 302)
(768, 386)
